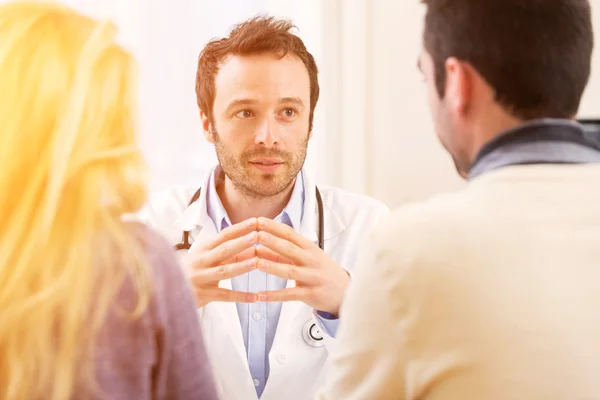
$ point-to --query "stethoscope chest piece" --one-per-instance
(312, 335)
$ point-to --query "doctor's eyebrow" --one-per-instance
(240, 102)
(295, 100)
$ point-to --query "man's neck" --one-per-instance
(240, 207)
(493, 126)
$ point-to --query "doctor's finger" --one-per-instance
(268, 254)
(232, 232)
(291, 272)
(284, 248)
(227, 271)
(290, 294)
(244, 255)
(285, 232)
(225, 295)
(229, 249)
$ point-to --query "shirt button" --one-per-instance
(281, 358)
(257, 316)
(256, 382)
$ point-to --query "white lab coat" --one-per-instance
(296, 369)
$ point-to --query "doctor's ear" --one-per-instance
(207, 127)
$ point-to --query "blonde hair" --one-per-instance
(70, 171)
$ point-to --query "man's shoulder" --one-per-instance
(433, 222)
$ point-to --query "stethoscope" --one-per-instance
(311, 333)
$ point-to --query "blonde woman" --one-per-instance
(90, 307)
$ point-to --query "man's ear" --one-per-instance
(207, 127)
(459, 85)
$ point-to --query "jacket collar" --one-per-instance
(196, 217)
(544, 141)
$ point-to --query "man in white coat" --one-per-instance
(271, 254)
(491, 292)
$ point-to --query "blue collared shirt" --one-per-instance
(259, 320)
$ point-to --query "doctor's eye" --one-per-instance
(244, 114)
(288, 112)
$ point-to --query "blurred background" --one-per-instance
(372, 130)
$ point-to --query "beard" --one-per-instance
(248, 180)
(460, 160)
(448, 134)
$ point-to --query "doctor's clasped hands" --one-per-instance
(320, 281)
(231, 253)
(281, 251)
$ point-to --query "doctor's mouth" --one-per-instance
(267, 165)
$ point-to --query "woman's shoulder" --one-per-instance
(158, 255)
(129, 348)
(151, 241)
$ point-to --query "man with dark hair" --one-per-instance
(491, 292)
(270, 254)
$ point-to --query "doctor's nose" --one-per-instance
(267, 134)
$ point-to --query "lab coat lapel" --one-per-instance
(219, 317)
(226, 342)
(308, 226)
(290, 311)
(222, 313)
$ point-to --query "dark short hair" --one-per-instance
(535, 54)
(258, 35)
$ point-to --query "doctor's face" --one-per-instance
(260, 125)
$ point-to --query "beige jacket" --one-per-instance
(491, 293)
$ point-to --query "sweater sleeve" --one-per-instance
(183, 370)
(161, 354)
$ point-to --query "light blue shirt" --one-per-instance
(259, 320)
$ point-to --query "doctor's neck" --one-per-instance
(241, 206)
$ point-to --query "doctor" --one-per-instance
(271, 253)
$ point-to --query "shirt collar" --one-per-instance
(214, 206)
(294, 209)
(291, 214)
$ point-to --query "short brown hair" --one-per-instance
(258, 35)
(535, 54)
